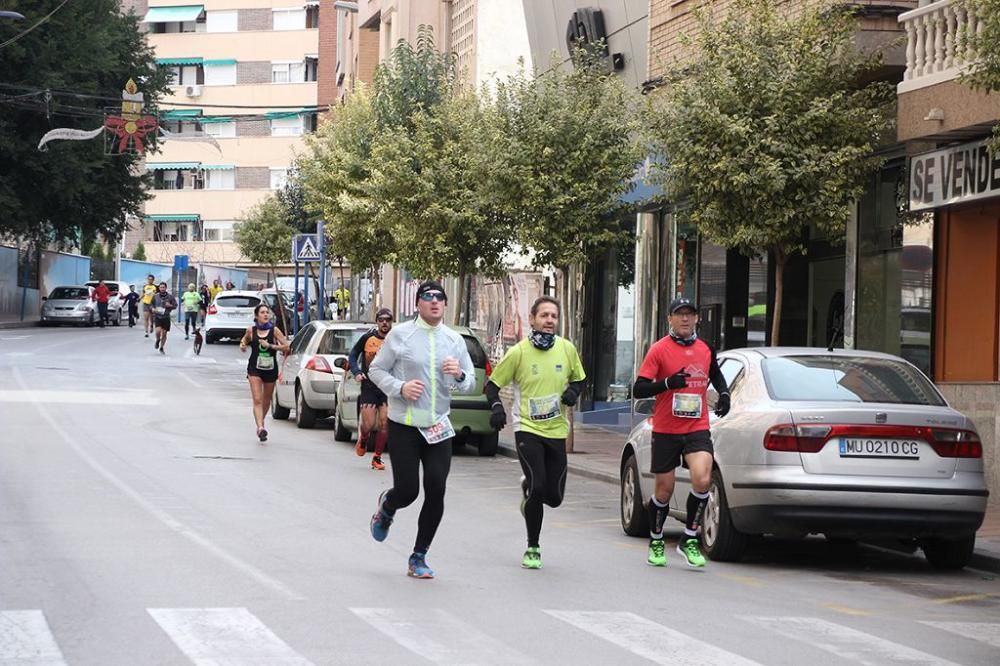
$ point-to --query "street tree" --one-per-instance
(984, 72)
(566, 149)
(293, 197)
(64, 74)
(434, 181)
(771, 129)
(264, 235)
(413, 78)
(140, 252)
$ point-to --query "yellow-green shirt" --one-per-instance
(539, 378)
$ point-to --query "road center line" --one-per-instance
(158, 513)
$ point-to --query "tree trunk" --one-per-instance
(569, 323)
(779, 287)
(459, 303)
(377, 287)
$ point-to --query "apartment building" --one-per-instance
(244, 94)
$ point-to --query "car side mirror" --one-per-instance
(45, 298)
(340, 363)
(643, 406)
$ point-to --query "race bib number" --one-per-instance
(265, 362)
(544, 408)
(160, 311)
(438, 432)
(687, 405)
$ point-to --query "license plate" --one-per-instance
(863, 447)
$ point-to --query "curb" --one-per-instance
(7, 325)
(507, 449)
(985, 562)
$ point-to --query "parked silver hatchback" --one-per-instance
(849, 444)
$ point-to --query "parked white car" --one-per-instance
(309, 379)
(849, 444)
(229, 315)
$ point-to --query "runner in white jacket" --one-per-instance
(419, 365)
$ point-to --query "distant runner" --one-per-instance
(264, 340)
(148, 292)
(163, 305)
(372, 403)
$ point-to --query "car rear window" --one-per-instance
(847, 379)
(237, 301)
(476, 351)
(66, 293)
(339, 341)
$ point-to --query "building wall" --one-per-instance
(326, 92)
(962, 107)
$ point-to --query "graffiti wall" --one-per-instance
(135, 272)
(58, 269)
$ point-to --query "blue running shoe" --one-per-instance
(381, 520)
(418, 567)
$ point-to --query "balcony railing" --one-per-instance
(938, 44)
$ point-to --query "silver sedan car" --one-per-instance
(849, 444)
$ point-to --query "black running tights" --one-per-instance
(408, 450)
(544, 463)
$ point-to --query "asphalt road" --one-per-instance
(142, 523)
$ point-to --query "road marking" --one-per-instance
(964, 597)
(26, 640)
(158, 513)
(851, 644)
(745, 580)
(647, 639)
(984, 632)
(190, 381)
(439, 637)
(216, 636)
(79, 398)
(846, 610)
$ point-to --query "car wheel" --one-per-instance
(949, 553)
(305, 416)
(340, 433)
(278, 412)
(720, 539)
(635, 521)
(488, 444)
(209, 339)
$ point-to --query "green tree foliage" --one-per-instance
(73, 189)
(771, 129)
(984, 73)
(264, 235)
(413, 79)
(140, 252)
(293, 197)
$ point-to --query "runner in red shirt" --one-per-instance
(101, 295)
(677, 370)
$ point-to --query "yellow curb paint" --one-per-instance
(846, 610)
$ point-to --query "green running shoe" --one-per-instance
(689, 549)
(657, 553)
(532, 559)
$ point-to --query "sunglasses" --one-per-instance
(382, 319)
(429, 296)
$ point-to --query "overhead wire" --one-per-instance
(40, 22)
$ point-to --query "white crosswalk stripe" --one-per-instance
(645, 638)
(984, 632)
(26, 640)
(225, 636)
(857, 646)
(439, 637)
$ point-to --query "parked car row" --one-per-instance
(74, 305)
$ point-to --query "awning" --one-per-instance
(312, 3)
(218, 167)
(179, 61)
(219, 61)
(183, 217)
(211, 120)
(180, 114)
(171, 166)
(176, 14)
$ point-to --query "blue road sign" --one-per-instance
(305, 247)
(180, 262)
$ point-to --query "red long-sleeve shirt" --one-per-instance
(101, 293)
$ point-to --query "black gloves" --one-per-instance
(570, 395)
(678, 380)
(722, 405)
(498, 419)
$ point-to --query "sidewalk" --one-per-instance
(14, 321)
(597, 455)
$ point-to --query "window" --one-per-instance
(186, 75)
(69, 294)
(218, 231)
(220, 179)
(476, 351)
(220, 75)
(178, 26)
(340, 341)
(288, 72)
(177, 179)
(279, 178)
(732, 371)
(289, 19)
(312, 14)
(311, 68)
(185, 127)
(286, 126)
(227, 21)
(847, 379)
(226, 130)
(301, 340)
(237, 301)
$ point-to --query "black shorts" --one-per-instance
(668, 449)
(162, 322)
(371, 395)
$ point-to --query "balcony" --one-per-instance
(934, 105)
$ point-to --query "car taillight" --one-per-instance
(212, 309)
(319, 364)
(812, 438)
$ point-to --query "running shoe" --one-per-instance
(688, 547)
(657, 556)
(417, 566)
(377, 463)
(262, 434)
(163, 351)
(147, 335)
(156, 344)
(359, 448)
(381, 520)
(532, 558)
(524, 493)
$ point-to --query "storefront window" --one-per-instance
(757, 303)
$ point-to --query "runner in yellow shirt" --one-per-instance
(148, 292)
(546, 373)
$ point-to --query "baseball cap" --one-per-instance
(431, 285)
(679, 303)
(191, 286)
(383, 312)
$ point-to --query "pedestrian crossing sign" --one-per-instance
(305, 247)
